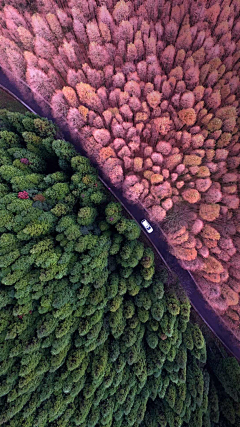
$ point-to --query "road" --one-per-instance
(157, 240)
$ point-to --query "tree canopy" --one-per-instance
(90, 333)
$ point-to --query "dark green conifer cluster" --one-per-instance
(90, 335)
(224, 396)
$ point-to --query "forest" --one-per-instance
(150, 89)
(92, 333)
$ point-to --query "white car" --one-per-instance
(147, 226)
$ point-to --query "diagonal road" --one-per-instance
(156, 239)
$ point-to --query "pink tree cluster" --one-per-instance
(23, 195)
(151, 89)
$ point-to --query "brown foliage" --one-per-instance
(209, 212)
(188, 116)
(191, 195)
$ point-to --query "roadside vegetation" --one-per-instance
(10, 103)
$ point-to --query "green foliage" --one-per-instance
(228, 373)
(113, 212)
(8, 139)
(128, 228)
(148, 258)
(86, 215)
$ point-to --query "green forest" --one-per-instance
(91, 332)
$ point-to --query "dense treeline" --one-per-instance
(225, 389)
(221, 394)
(90, 335)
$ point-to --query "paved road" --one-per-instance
(156, 238)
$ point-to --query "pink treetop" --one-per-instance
(23, 195)
(25, 161)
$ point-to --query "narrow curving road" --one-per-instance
(157, 240)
